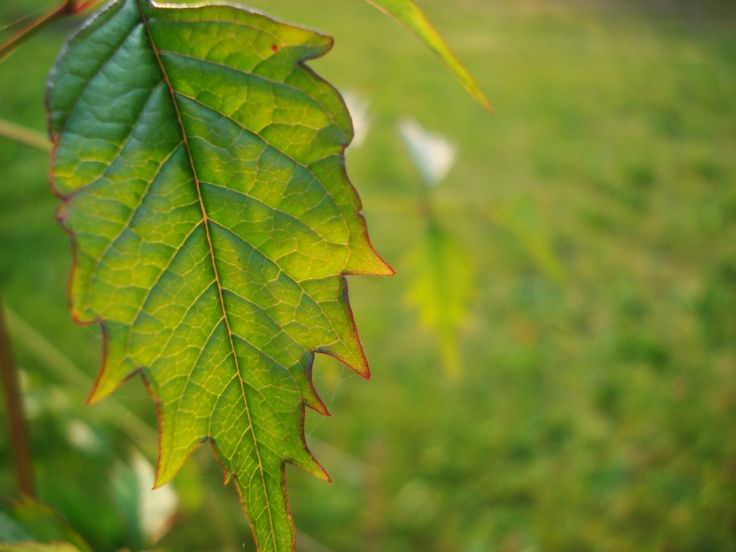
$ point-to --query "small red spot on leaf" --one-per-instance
(275, 47)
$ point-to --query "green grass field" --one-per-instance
(596, 408)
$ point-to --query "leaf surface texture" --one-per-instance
(201, 169)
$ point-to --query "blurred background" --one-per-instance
(554, 364)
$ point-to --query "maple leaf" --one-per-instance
(201, 167)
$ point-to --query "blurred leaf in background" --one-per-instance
(148, 512)
(433, 155)
(27, 521)
(441, 285)
(438, 268)
(410, 15)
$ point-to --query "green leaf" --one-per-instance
(441, 280)
(201, 167)
(412, 17)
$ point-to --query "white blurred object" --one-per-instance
(81, 436)
(358, 108)
(156, 507)
(433, 154)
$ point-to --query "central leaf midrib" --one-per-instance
(205, 219)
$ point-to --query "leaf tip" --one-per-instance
(321, 473)
(308, 463)
(481, 98)
(365, 373)
(319, 407)
(378, 266)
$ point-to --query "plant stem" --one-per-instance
(16, 420)
(66, 8)
(24, 135)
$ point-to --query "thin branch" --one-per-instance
(63, 9)
(24, 135)
(10, 24)
(66, 8)
(16, 419)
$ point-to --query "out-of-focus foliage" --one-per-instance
(38, 547)
(442, 281)
(408, 13)
(149, 513)
(433, 155)
(596, 407)
(30, 525)
(439, 269)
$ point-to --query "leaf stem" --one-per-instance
(66, 8)
(16, 419)
(26, 136)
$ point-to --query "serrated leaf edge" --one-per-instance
(385, 268)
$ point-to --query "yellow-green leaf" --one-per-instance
(412, 17)
(201, 168)
(441, 277)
